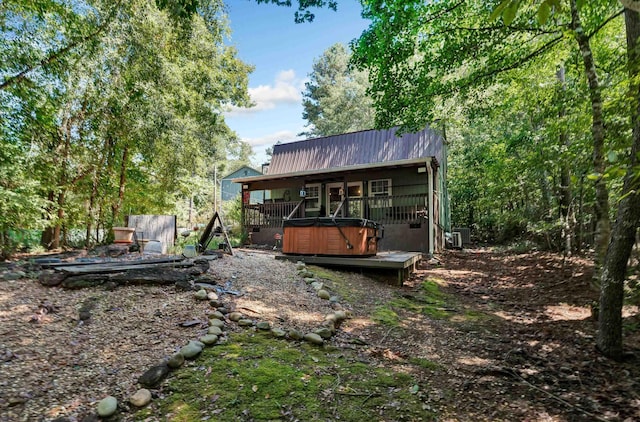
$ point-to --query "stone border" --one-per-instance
(151, 378)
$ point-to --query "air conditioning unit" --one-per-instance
(456, 238)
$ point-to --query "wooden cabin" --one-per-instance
(395, 180)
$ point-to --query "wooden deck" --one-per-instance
(403, 262)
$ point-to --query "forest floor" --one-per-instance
(483, 335)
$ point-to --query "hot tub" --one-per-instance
(331, 236)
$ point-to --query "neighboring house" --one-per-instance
(398, 181)
(230, 190)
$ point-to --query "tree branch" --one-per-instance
(523, 60)
(603, 24)
(56, 55)
(443, 12)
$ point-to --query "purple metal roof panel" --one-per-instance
(366, 147)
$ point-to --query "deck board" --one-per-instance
(403, 262)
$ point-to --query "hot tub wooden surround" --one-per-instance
(331, 236)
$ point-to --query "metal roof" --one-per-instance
(354, 149)
(248, 171)
(350, 152)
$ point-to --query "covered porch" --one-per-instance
(402, 196)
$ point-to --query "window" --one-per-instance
(354, 192)
(381, 190)
(312, 200)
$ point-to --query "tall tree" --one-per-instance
(335, 99)
(627, 221)
(118, 109)
(609, 339)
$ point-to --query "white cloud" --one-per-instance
(260, 145)
(270, 139)
(286, 89)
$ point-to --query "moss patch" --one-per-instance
(324, 273)
(430, 301)
(339, 285)
(256, 377)
(424, 363)
(385, 315)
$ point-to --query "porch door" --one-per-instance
(335, 193)
(354, 192)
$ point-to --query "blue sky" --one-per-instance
(282, 52)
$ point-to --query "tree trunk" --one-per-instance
(122, 184)
(46, 238)
(609, 338)
(580, 217)
(564, 199)
(97, 174)
(55, 244)
(603, 224)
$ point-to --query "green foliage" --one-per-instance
(513, 128)
(125, 116)
(232, 214)
(335, 99)
(304, 13)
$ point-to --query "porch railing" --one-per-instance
(270, 214)
(395, 209)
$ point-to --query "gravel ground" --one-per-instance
(54, 364)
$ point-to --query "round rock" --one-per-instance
(216, 303)
(295, 334)
(140, 398)
(191, 350)
(176, 361)
(314, 338)
(209, 339)
(323, 332)
(235, 316)
(216, 323)
(107, 406)
(263, 325)
(278, 332)
(245, 322)
(216, 315)
(323, 294)
(216, 331)
(154, 375)
(14, 275)
(340, 315)
(201, 294)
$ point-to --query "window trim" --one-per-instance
(373, 197)
(318, 197)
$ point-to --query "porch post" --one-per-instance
(430, 224)
(246, 194)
